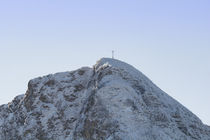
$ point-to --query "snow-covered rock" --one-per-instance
(111, 101)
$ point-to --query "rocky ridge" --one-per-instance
(111, 101)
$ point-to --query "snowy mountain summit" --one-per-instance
(111, 101)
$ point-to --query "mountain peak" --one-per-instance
(117, 64)
(112, 100)
(111, 61)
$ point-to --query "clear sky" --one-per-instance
(168, 40)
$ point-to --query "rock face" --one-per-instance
(111, 101)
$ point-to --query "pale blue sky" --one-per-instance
(168, 40)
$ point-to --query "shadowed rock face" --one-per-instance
(111, 101)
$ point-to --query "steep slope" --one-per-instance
(111, 101)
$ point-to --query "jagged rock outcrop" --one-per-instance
(111, 101)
